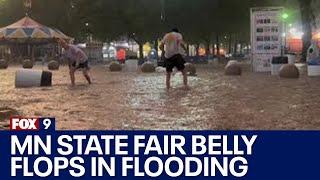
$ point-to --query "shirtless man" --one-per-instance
(171, 44)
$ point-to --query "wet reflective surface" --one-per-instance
(139, 101)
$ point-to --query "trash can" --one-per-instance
(32, 78)
(291, 58)
(276, 64)
(314, 67)
(131, 65)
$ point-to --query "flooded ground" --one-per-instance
(140, 101)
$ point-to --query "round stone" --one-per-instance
(289, 71)
(190, 69)
(3, 64)
(115, 67)
(27, 64)
(148, 67)
(232, 62)
(233, 68)
(53, 65)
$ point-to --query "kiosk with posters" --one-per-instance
(266, 37)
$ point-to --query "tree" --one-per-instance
(306, 19)
(135, 19)
(59, 15)
(201, 22)
(11, 11)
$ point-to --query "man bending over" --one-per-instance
(77, 59)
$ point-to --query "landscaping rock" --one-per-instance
(115, 67)
(190, 69)
(27, 64)
(148, 67)
(233, 68)
(53, 65)
(289, 71)
(3, 64)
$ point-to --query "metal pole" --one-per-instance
(163, 12)
(285, 37)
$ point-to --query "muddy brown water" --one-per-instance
(253, 101)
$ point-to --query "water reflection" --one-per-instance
(139, 101)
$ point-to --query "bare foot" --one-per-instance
(187, 88)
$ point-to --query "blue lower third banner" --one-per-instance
(32, 149)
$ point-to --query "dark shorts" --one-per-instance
(175, 61)
(84, 65)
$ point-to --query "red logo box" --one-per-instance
(24, 124)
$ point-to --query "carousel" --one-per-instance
(28, 39)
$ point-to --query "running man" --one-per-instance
(77, 59)
(171, 45)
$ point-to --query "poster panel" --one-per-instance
(266, 36)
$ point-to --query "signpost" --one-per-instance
(266, 36)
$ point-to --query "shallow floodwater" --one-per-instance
(123, 100)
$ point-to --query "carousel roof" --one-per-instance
(28, 29)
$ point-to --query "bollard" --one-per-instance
(233, 68)
(115, 67)
(27, 64)
(131, 65)
(289, 71)
(53, 65)
(148, 67)
(3, 64)
(190, 69)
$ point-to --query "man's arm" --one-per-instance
(162, 43)
(161, 46)
(80, 55)
(184, 46)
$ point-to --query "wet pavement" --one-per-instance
(122, 100)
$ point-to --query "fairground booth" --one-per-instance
(295, 43)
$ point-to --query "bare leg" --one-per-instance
(72, 70)
(185, 78)
(86, 75)
(168, 77)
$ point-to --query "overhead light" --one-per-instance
(285, 16)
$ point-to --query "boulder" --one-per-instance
(232, 62)
(115, 67)
(233, 68)
(27, 64)
(289, 71)
(3, 64)
(148, 67)
(53, 65)
(190, 69)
